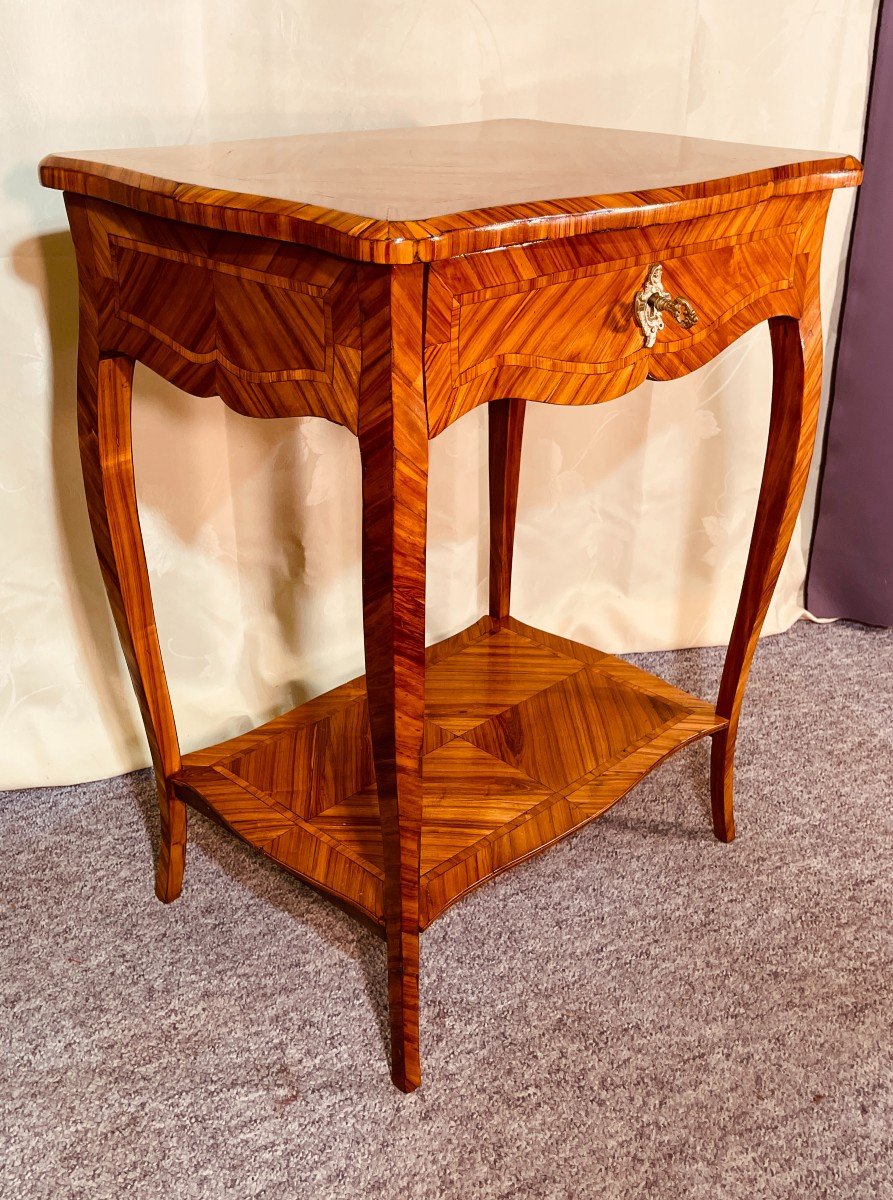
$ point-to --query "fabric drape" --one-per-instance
(634, 516)
(851, 567)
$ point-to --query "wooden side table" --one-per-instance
(392, 281)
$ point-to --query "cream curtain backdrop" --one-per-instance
(634, 518)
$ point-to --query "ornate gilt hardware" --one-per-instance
(653, 300)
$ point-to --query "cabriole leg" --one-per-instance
(106, 449)
(796, 391)
(104, 404)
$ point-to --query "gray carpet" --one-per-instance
(641, 1012)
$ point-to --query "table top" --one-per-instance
(401, 195)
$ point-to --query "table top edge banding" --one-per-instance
(683, 179)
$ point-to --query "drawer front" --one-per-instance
(583, 320)
(263, 330)
(555, 321)
(272, 328)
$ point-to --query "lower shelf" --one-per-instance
(528, 736)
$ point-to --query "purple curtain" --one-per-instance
(851, 566)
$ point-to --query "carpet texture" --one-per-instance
(640, 1012)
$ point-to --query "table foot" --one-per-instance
(721, 786)
(172, 854)
(403, 1004)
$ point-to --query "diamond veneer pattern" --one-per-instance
(484, 766)
(523, 742)
(588, 728)
(488, 677)
(466, 795)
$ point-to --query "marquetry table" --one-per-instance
(392, 281)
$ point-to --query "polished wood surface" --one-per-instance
(506, 430)
(272, 329)
(399, 792)
(526, 737)
(506, 323)
(275, 329)
(393, 437)
(402, 195)
(104, 438)
(796, 395)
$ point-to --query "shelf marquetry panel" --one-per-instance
(528, 736)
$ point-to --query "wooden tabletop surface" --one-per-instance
(398, 186)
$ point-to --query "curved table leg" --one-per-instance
(104, 438)
(796, 392)
(393, 438)
(506, 428)
(104, 435)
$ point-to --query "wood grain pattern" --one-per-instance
(104, 438)
(273, 329)
(276, 331)
(408, 195)
(796, 395)
(506, 430)
(528, 736)
(393, 435)
(222, 269)
(553, 322)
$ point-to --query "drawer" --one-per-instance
(258, 327)
(538, 321)
(271, 327)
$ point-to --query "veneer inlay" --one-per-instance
(392, 281)
(494, 789)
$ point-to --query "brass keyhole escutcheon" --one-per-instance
(653, 300)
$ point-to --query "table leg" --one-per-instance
(394, 450)
(104, 437)
(796, 392)
(506, 427)
(104, 404)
